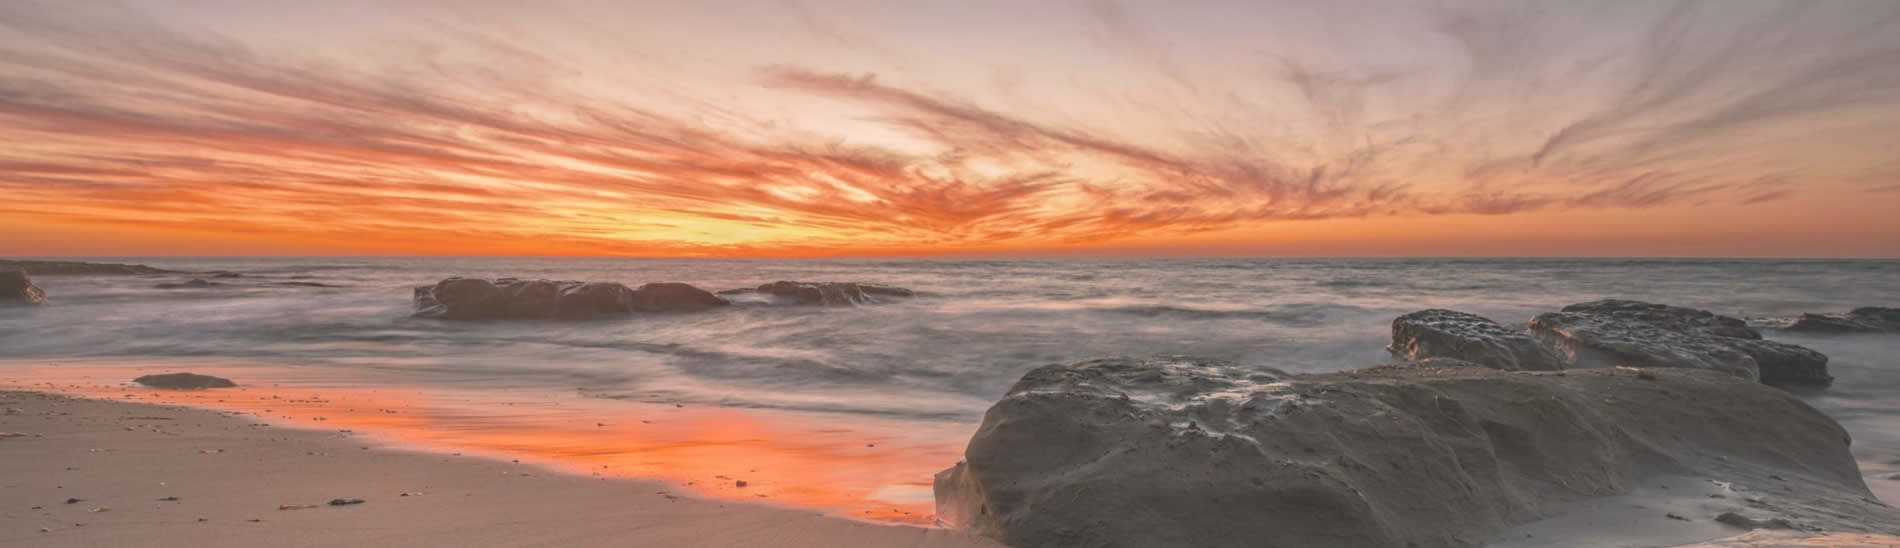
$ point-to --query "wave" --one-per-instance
(1298, 314)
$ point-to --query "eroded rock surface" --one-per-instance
(16, 288)
(1638, 334)
(184, 381)
(1440, 333)
(823, 293)
(1182, 452)
(509, 298)
(1869, 319)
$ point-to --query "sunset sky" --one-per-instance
(991, 128)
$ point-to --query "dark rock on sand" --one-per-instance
(508, 298)
(1638, 334)
(16, 288)
(1181, 452)
(824, 293)
(184, 381)
(74, 268)
(1745, 522)
(1439, 333)
(1869, 319)
(195, 283)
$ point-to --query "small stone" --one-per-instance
(345, 502)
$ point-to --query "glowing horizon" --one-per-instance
(728, 129)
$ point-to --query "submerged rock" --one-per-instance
(16, 288)
(509, 298)
(1181, 452)
(184, 381)
(64, 268)
(1440, 333)
(1638, 334)
(1868, 319)
(824, 293)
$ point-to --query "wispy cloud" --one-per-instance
(128, 120)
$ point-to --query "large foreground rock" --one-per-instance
(1440, 333)
(1179, 452)
(16, 288)
(184, 381)
(823, 293)
(509, 298)
(1869, 319)
(63, 268)
(1638, 334)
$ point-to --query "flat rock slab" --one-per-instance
(1637, 334)
(184, 381)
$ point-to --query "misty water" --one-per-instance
(930, 364)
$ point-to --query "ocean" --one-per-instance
(844, 409)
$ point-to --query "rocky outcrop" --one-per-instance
(73, 268)
(823, 293)
(16, 288)
(1182, 452)
(1440, 333)
(1869, 319)
(1638, 334)
(184, 381)
(509, 298)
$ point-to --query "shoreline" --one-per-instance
(125, 462)
(856, 469)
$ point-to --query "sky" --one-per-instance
(938, 128)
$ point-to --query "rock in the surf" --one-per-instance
(1182, 452)
(184, 381)
(509, 298)
(1639, 334)
(674, 297)
(1440, 333)
(16, 288)
(823, 293)
(1868, 319)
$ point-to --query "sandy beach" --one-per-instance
(89, 472)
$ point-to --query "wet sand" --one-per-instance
(142, 475)
(855, 466)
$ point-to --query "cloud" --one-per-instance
(124, 120)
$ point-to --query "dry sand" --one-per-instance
(125, 462)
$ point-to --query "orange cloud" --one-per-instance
(141, 126)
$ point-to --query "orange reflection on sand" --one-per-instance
(847, 466)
